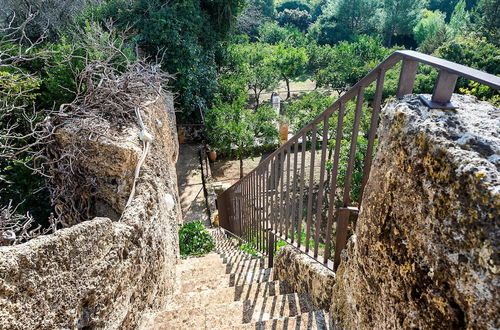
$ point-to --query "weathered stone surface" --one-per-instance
(425, 253)
(304, 275)
(104, 274)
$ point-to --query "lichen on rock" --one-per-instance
(426, 250)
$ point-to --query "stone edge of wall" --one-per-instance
(100, 273)
(304, 275)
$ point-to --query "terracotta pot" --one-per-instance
(212, 155)
(283, 132)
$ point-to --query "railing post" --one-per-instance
(443, 89)
(341, 233)
(270, 249)
(407, 77)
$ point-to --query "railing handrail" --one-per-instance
(393, 59)
(250, 189)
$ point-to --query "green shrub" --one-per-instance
(195, 240)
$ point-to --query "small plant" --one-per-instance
(194, 240)
(248, 248)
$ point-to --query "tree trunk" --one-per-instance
(241, 165)
(389, 38)
(287, 88)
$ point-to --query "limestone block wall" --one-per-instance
(425, 253)
(107, 272)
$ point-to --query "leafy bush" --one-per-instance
(187, 37)
(195, 240)
(302, 111)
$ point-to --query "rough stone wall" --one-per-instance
(425, 253)
(304, 275)
(102, 273)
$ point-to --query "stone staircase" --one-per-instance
(230, 289)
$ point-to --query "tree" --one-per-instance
(488, 19)
(289, 62)
(271, 33)
(253, 63)
(357, 16)
(295, 17)
(234, 129)
(400, 16)
(431, 31)
(460, 19)
(476, 53)
(343, 65)
(429, 24)
(252, 18)
(188, 36)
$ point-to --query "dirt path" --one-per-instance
(189, 180)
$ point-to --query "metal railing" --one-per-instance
(303, 193)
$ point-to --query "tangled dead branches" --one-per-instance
(18, 228)
(109, 103)
(109, 89)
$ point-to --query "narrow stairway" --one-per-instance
(230, 289)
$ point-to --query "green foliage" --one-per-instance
(271, 33)
(429, 24)
(345, 64)
(188, 37)
(252, 62)
(488, 20)
(357, 175)
(327, 30)
(474, 52)
(431, 31)
(460, 19)
(471, 51)
(235, 130)
(195, 240)
(289, 62)
(302, 111)
(249, 249)
(400, 16)
(303, 241)
(293, 5)
(295, 17)
(356, 16)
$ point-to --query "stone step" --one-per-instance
(228, 294)
(226, 280)
(211, 269)
(234, 254)
(196, 261)
(239, 312)
(239, 258)
(315, 320)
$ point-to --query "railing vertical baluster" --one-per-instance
(247, 208)
(287, 198)
(266, 202)
(373, 130)
(319, 212)
(333, 181)
(257, 203)
(256, 213)
(343, 218)
(294, 190)
(311, 186)
(282, 177)
(262, 214)
(352, 152)
(277, 161)
(252, 203)
(271, 193)
(301, 194)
